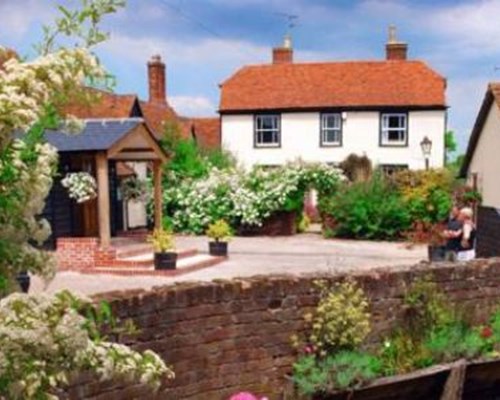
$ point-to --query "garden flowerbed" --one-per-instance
(411, 363)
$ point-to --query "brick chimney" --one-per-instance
(156, 80)
(394, 49)
(283, 54)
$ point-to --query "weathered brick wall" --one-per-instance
(226, 336)
(488, 232)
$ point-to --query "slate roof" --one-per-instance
(491, 97)
(356, 84)
(97, 135)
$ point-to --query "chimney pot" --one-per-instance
(394, 49)
(284, 54)
(157, 80)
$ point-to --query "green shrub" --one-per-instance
(346, 369)
(402, 353)
(450, 342)
(368, 210)
(427, 308)
(341, 319)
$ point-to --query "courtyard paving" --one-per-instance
(300, 254)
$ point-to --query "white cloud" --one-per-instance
(472, 27)
(16, 17)
(205, 51)
(192, 106)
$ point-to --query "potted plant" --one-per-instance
(163, 245)
(221, 233)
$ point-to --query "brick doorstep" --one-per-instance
(150, 271)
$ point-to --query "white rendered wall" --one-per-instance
(486, 160)
(300, 138)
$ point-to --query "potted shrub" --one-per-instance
(163, 245)
(220, 232)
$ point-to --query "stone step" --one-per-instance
(184, 266)
(146, 258)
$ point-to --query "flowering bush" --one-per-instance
(81, 186)
(341, 319)
(246, 198)
(45, 339)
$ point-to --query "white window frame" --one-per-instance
(324, 130)
(385, 130)
(276, 130)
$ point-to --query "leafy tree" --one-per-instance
(450, 145)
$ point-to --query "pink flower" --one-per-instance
(243, 396)
(308, 350)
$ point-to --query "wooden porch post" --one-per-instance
(103, 199)
(157, 193)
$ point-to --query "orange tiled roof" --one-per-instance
(104, 105)
(333, 84)
(156, 114)
(207, 131)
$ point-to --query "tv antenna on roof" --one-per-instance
(291, 20)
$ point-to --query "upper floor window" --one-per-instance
(394, 129)
(267, 130)
(331, 129)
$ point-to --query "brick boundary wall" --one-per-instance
(488, 232)
(226, 336)
(75, 253)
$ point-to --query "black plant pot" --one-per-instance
(167, 260)
(436, 253)
(24, 281)
(218, 249)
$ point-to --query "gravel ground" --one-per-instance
(300, 254)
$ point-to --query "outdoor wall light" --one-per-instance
(426, 145)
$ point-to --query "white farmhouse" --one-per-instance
(322, 112)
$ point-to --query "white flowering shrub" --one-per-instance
(81, 186)
(246, 198)
(45, 340)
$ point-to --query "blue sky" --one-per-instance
(204, 41)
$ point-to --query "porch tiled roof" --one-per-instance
(97, 135)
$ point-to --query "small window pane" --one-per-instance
(267, 130)
(331, 129)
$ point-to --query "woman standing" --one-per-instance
(467, 249)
